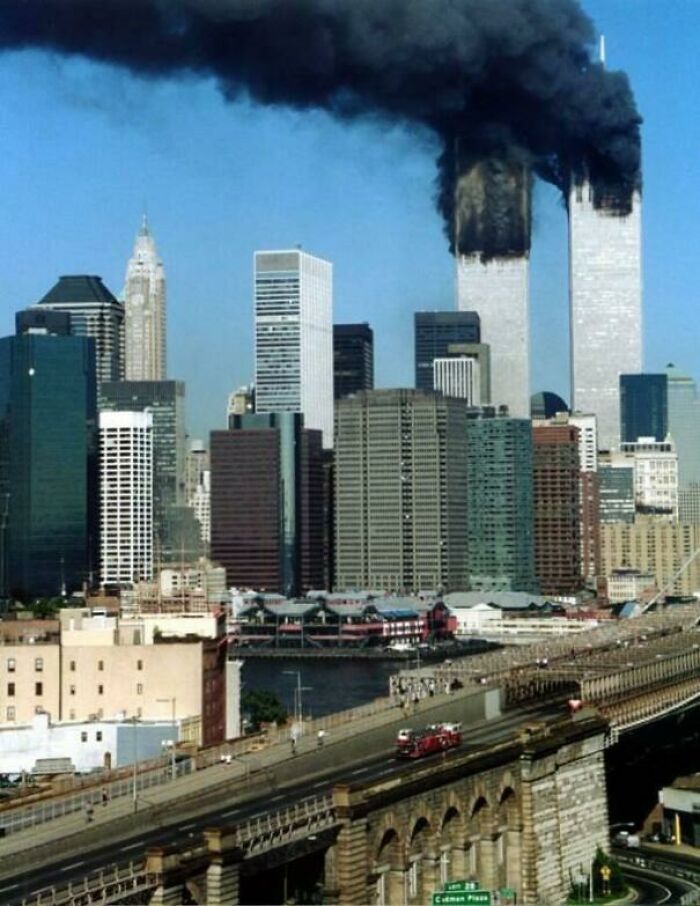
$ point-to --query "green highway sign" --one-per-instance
(462, 898)
(461, 885)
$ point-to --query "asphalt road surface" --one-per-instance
(65, 870)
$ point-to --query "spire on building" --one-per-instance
(144, 301)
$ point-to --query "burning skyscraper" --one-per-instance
(492, 247)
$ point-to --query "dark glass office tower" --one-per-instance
(166, 401)
(643, 407)
(48, 464)
(435, 331)
(353, 359)
(267, 503)
(500, 504)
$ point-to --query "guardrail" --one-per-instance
(96, 797)
(682, 870)
(113, 885)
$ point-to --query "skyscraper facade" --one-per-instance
(684, 425)
(501, 554)
(267, 503)
(198, 487)
(499, 291)
(605, 287)
(655, 476)
(94, 312)
(616, 490)
(48, 464)
(458, 377)
(434, 332)
(126, 497)
(353, 359)
(144, 304)
(400, 491)
(643, 407)
(165, 400)
(557, 495)
(294, 337)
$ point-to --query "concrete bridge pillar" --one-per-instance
(429, 876)
(352, 858)
(167, 868)
(488, 868)
(223, 871)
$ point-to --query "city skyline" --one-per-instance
(361, 197)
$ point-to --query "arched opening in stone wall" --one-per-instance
(421, 867)
(388, 869)
(508, 840)
(452, 848)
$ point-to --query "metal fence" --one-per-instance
(109, 885)
(90, 799)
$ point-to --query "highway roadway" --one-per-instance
(654, 888)
(62, 871)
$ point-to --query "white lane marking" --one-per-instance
(188, 826)
(386, 771)
(11, 887)
(231, 813)
(277, 798)
(133, 846)
(359, 771)
(74, 865)
(319, 784)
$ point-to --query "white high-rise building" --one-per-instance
(605, 288)
(294, 337)
(126, 496)
(499, 290)
(144, 302)
(458, 377)
(198, 487)
(655, 475)
(587, 440)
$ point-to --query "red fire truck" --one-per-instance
(434, 738)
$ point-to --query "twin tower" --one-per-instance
(605, 295)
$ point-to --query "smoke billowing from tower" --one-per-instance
(511, 80)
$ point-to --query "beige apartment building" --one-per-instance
(89, 668)
(654, 548)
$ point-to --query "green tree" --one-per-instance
(262, 706)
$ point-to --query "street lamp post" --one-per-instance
(298, 690)
(173, 764)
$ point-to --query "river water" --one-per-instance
(327, 684)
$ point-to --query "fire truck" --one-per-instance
(434, 738)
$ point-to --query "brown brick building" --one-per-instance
(267, 503)
(557, 493)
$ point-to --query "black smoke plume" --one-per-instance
(507, 86)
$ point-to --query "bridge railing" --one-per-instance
(109, 885)
(26, 816)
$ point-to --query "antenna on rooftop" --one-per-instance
(601, 50)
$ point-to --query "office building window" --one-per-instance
(71, 714)
(98, 736)
(100, 689)
(10, 689)
(38, 688)
(139, 688)
(10, 713)
(72, 690)
(83, 736)
(100, 665)
(39, 664)
(72, 666)
(10, 665)
(139, 665)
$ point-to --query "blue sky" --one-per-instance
(85, 148)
